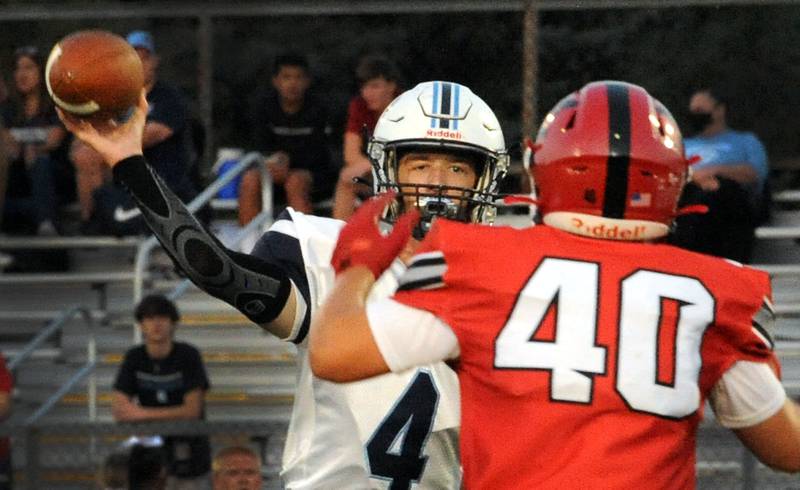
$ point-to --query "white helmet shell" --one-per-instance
(445, 117)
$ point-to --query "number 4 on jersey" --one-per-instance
(395, 448)
(574, 356)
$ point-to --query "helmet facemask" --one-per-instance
(474, 204)
(442, 118)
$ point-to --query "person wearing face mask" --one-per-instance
(729, 177)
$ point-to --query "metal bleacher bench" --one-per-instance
(40, 243)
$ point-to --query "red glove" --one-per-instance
(361, 242)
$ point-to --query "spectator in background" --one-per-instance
(31, 137)
(729, 178)
(6, 385)
(165, 380)
(379, 82)
(146, 468)
(293, 130)
(237, 468)
(113, 475)
(105, 207)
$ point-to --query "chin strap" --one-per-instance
(520, 199)
(692, 209)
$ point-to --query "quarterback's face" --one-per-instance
(238, 472)
(434, 169)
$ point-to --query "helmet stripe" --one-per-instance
(447, 89)
(456, 100)
(619, 142)
(435, 103)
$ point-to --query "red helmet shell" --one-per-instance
(611, 151)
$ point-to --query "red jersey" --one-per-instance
(584, 363)
(6, 384)
(360, 115)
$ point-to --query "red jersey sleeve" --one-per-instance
(743, 326)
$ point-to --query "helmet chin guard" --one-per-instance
(440, 117)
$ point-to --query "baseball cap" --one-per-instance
(142, 39)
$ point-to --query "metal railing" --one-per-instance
(49, 465)
(55, 326)
(142, 260)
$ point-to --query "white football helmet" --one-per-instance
(440, 117)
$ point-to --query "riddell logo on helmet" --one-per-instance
(443, 133)
(611, 232)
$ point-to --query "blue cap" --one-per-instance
(142, 39)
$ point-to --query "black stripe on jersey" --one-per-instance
(764, 323)
(425, 271)
(619, 143)
(428, 283)
(424, 261)
(444, 108)
(284, 250)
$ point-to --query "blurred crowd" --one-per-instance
(51, 185)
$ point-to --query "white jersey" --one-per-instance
(398, 430)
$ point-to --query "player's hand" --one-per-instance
(112, 140)
(361, 242)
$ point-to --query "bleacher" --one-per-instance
(252, 374)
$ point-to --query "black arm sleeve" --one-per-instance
(257, 288)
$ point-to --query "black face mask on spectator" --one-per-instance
(698, 121)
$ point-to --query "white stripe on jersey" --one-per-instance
(764, 323)
(425, 271)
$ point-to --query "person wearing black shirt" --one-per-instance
(165, 380)
(292, 129)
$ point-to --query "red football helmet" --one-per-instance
(609, 163)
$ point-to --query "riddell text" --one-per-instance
(443, 133)
(603, 231)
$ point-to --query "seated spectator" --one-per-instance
(729, 178)
(237, 468)
(31, 135)
(147, 469)
(379, 82)
(165, 380)
(292, 129)
(105, 207)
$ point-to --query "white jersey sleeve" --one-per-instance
(747, 394)
(399, 430)
(303, 245)
(409, 337)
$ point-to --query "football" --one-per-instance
(94, 74)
